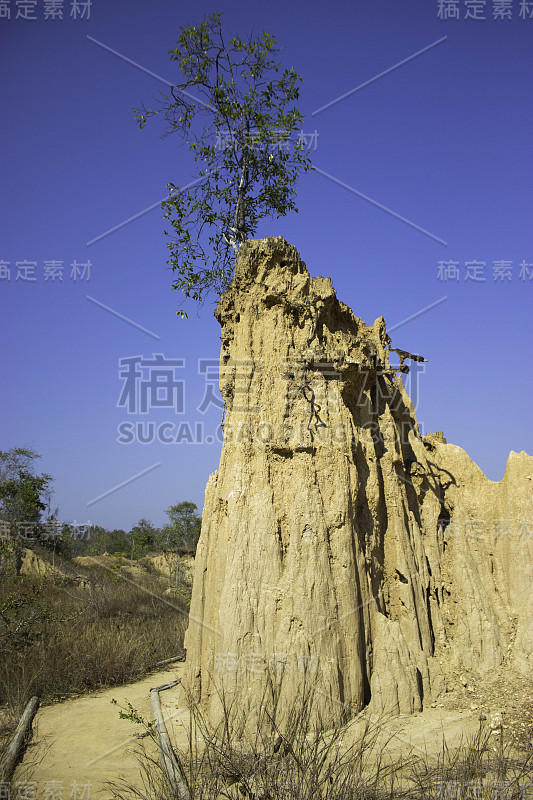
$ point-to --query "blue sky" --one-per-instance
(427, 160)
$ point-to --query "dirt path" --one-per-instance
(81, 743)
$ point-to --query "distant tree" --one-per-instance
(184, 529)
(143, 538)
(250, 155)
(24, 496)
(97, 541)
(119, 542)
(70, 544)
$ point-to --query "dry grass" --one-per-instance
(58, 638)
(294, 758)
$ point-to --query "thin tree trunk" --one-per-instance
(239, 220)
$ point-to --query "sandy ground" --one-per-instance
(80, 744)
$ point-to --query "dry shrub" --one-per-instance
(58, 638)
(284, 755)
(296, 758)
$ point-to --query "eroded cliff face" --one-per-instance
(336, 541)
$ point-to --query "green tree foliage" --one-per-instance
(71, 544)
(183, 531)
(23, 494)
(143, 538)
(181, 534)
(119, 542)
(248, 149)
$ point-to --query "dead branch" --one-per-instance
(169, 761)
(16, 746)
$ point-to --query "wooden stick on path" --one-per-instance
(16, 746)
(168, 758)
(181, 657)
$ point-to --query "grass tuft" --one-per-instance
(289, 755)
